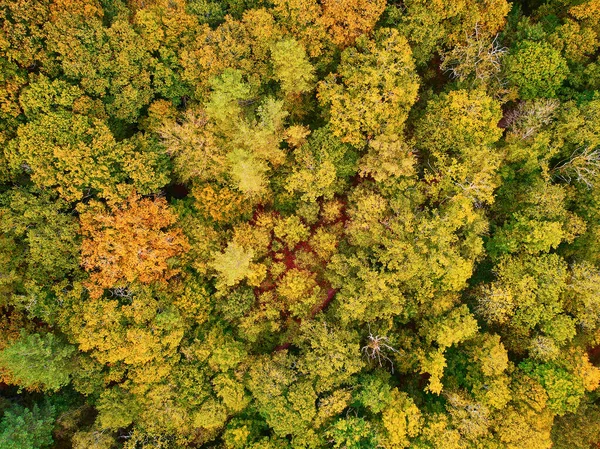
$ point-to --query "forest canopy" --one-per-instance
(299, 224)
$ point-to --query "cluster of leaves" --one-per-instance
(299, 224)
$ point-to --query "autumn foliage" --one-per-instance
(135, 242)
(299, 224)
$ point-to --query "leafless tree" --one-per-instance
(529, 117)
(377, 348)
(121, 292)
(480, 55)
(583, 167)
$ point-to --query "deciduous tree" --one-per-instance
(135, 242)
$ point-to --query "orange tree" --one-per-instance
(133, 242)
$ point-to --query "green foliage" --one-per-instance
(25, 428)
(536, 69)
(352, 433)
(39, 361)
(40, 247)
(331, 355)
(322, 167)
(564, 390)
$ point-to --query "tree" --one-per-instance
(457, 134)
(40, 244)
(248, 173)
(251, 134)
(78, 155)
(478, 59)
(563, 389)
(541, 223)
(347, 20)
(43, 96)
(241, 45)
(577, 430)
(331, 355)
(135, 242)
(352, 433)
(39, 361)
(581, 296)
(221, 204)
(23, 49)
(234, 264)
(25, 428)
(93, 439)
(269, 380)
(194, 148)
(299, 291)
(133, 338)
(291, 67)
(322, 167)
(487, 376)
(303, 20)
(388, 157)
(363, 100)
(433, 26)
(522, 427)
(438, 432)
(527, 300)
(453, 328)
(109, 62)
(23, 32)
(402, 421)
(166, 28)
(536, 69)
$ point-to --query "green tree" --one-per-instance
(331, 355)
(322, 167)
(352, 433)
(40, 247)
(564, 390)
(39, 361)
(25, 428)
(536, 69)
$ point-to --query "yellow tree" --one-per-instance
(302, 19)
(457, 134)
(240, 45)
(374, 89)
(78, 155)
(348, 19)
(433, 25)
(193, 147)
(291, 67)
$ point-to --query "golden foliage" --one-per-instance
(220, 203)
(348, 19)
